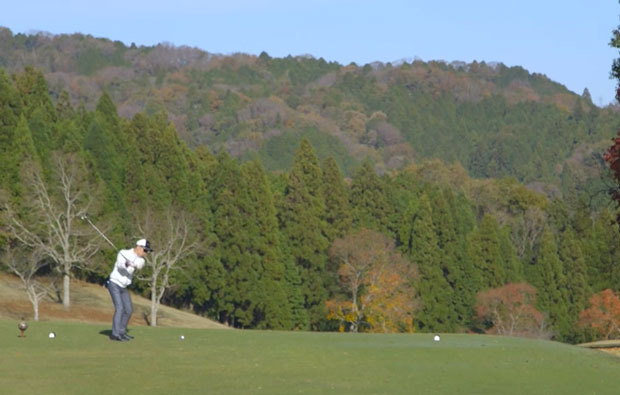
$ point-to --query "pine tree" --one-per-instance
(368, 199)
(485, 254)
(512, 266)
(302, 220)
(337, 208)
(436, 313)
(234, 249)
(13, 126)
(64, 110)
(109, 162)
(551, 283)
(575, 271)
(10, 108)
(34, 94)
(465, 286)
(454, 220)
(602, 253)
(273, 310)
(136, 174)
(157, 169)
(18, 151)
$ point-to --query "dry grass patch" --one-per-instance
(90, 303)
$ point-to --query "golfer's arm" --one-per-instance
(123, 263)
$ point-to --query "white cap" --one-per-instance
(144, 243)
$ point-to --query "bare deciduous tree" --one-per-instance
(53, 224)
(173, 239)
(25, 263)
(527, 229)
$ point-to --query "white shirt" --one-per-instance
(127, 261)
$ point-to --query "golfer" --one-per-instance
(127, 261)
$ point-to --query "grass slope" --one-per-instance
(90, 303)
(82, 360)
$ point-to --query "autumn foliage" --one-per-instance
(603, 315)
(510, 310)
(377, 283)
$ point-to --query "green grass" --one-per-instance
(82, 360)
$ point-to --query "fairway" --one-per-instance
(81, 360)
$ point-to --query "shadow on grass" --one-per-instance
(106, 332)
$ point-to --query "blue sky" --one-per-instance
(565, 40)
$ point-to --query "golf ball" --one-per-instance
(51, 335)
(436, 338)
(182, 337)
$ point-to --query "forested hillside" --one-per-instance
(412, 197)
(494, 120)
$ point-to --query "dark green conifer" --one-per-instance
(436, 313)
(368, 199)
(337, 208)
(551, 283)
(234, 249)
(302, 220)
(575, 271)
(485, 254)
(34, 94)
(273, 310)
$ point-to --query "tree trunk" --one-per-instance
(35, 307)
(154, 305)
(66, 301)
(34, 299)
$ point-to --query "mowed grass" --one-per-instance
(82, 360)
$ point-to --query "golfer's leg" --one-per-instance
(127, 311)
(115, 293)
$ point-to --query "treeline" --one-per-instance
(416, 249)
(496, 121)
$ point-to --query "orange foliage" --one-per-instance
(520, 91)
(171, 93)
(511, 311)
(603, 314)
(378, 281)
(565, 101)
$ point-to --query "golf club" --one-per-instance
(84, 217)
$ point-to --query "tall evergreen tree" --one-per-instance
(450, 218)
(13, 127)
(302, 220)
(602, 253)
(575, 271)
(157, 170)
(337, 208)
(64, 109)
(551, 283)
(38, 110)
(485, 254)
(436, 313)
(368, 199)
(17, 151)
(10, 109)
(513, 268)
(238, 299)
(34, 94)
(109, 162)
(445, 227)
(273, 309)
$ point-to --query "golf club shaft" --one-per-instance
(98, 231)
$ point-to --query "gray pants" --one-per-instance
(123, 308)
